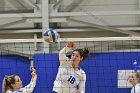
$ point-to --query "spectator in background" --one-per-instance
(134, 80)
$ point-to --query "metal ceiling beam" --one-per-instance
(39, 20)
(72, 5)
(139, 10)
(13, 23)
(45, 20)
(40, 30)
(21, 31)
(57, 3)
(108, 28)
(26, 4)
(14, 15)
(61, 30)
(16, 4)
(69, 14)
(16, 11)
(29, 2)
(96, 13)
(129, 28)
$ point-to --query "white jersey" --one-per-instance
(27, 89)
(136, 89)
(68, 80)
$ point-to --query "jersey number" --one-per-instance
(71, 80)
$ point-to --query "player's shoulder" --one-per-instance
(82, 71)
(18, 91)
(83, 74)
(8, 91)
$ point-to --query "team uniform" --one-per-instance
(27, 89)
(136, 89)
(68, 80)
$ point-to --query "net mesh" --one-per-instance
(107, 69)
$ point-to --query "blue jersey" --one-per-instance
(68, 80)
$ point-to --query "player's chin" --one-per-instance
(21, 86)
(131, 82)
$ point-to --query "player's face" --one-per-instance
(76, 58)
(133, 79)
(18, 83)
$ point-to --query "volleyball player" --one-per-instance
(70, 77)
(13, 84)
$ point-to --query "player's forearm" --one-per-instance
(29, 88)
(33, 80)
(64, 50)
(62, 54)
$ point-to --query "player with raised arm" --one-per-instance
(70, 77)
(13, 84)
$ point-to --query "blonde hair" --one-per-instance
(7, 81)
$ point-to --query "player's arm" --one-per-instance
(33, 74)
(81, 86)
(62, 53)
(30, 87)
(27, 89)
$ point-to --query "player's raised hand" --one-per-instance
(33, 72)
(70, 44)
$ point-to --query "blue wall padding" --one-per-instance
(101, 70)
(46, 67)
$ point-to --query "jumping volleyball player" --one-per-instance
(71, 78)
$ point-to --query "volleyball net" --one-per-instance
(107, 69)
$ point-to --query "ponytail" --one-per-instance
(86, 53)
(7, 81)
(4, 86)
